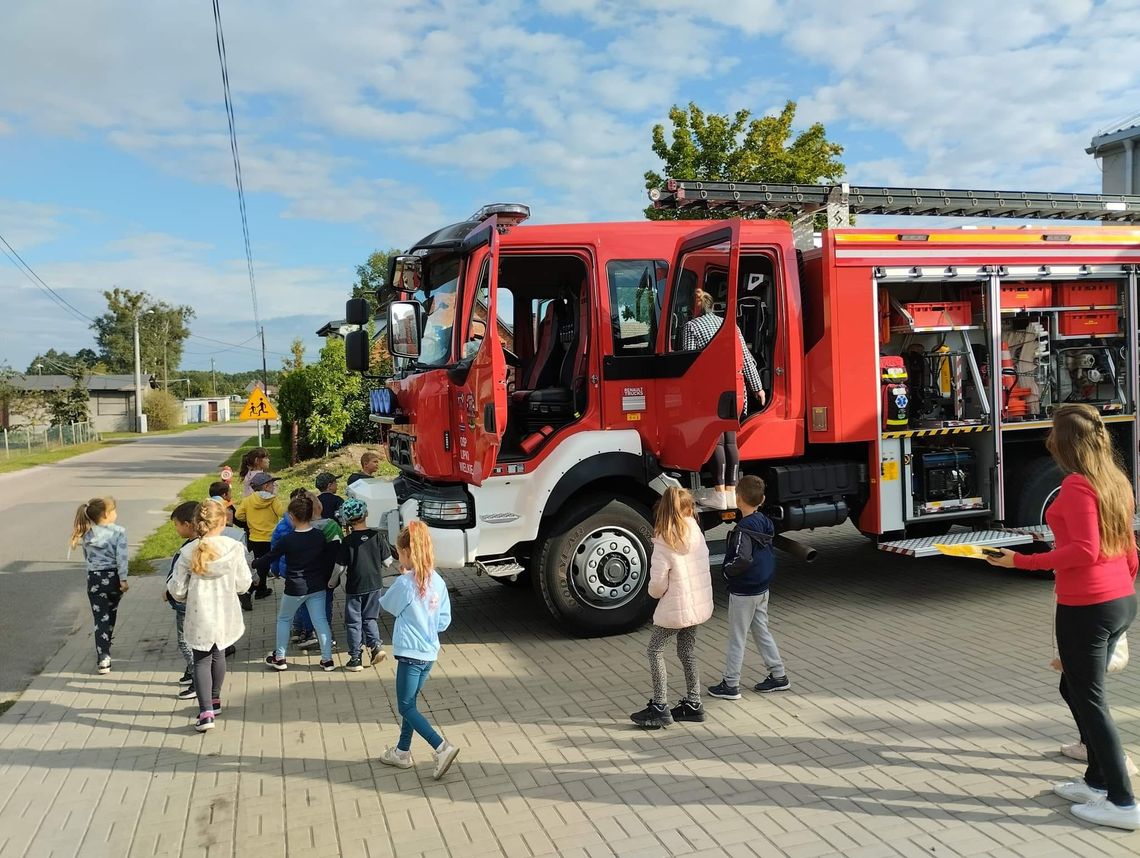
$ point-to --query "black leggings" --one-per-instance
(1086, 634)
(209, 674)
(261, 584)
(726, 460)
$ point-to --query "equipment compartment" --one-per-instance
(1094, 322)
(1099, 294)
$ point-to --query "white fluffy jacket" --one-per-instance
(213, 612)
(682, 582)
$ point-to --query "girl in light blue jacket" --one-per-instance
(105, 552)
(419, 602)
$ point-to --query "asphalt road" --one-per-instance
(42, 597)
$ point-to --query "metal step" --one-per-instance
(1043, 533)
(501, 568)
(924, 546)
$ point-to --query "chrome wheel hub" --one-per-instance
(608, 567)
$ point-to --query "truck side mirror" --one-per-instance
(356, 351)
(356, 312)
(404, 327)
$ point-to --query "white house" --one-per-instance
(207, 409)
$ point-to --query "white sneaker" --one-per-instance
(104, 666)
(1076, 751)
(396, 757)
(1078, 792)
(1104, 812)
(730, 499)
(711, 499)
(444, 756)
(1129, 766)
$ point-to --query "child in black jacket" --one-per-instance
(749, 564)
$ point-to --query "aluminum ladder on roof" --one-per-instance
(839, 202)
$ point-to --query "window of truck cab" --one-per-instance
(439, 295)
(637, 290)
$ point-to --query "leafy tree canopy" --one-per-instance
(738, 148)
(163, 329)
(372, 279)
(54, 362)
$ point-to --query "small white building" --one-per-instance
(207, 409)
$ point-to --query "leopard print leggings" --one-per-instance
(686, 653)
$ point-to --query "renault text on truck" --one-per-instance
(544, 396)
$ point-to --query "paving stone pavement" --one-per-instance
(922, 720)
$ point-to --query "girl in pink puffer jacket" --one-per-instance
(680, 579)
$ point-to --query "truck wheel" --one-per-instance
(1036, 488)
(593, 573)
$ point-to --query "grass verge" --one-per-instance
(45, 457)
(132, 436)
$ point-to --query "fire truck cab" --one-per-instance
(551, 381)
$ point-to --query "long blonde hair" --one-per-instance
(1080, 444)
(88, 515)
(672, 516)
(208, 516)
(416, 540)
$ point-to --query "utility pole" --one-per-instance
(264, 379)
(138, 378)
(165, 369)
(213, 377)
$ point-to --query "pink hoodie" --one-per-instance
(682, 581)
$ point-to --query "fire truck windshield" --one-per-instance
(438, 296)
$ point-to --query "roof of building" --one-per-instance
(94, 382)
(1118, 132)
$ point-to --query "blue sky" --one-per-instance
(364, 126)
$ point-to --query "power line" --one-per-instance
(221, 43)
(241, 345)
(30, 273)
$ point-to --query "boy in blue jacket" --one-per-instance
(749, 564)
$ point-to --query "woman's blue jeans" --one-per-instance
(411, 674)
(288, 606)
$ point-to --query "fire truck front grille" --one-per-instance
(400, 450)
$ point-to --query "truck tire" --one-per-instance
(1035, 487)
(592, 571)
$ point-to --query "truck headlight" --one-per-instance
(445, 512)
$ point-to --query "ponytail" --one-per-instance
(250, 459)
(302, 507)
(89, 514)
(416, 540)
(207, 517)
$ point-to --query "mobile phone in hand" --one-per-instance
(992, 552)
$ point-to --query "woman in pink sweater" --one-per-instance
(1095, 565)
(679, 578)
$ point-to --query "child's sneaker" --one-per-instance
(725, 691)
(773, 683)
(1076, 751)
(1104, 812)
(396, 757)
(216, 706)
(104, 666)
(276, 663)
(652, 717)
(187, 678)
(354, 664)
(686, 711)
(445, 755)
(328, 665)
(205, 722)
(308, 642)
(377, 654)
(187, 693)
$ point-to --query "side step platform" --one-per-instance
(1043, 533)
(924, 546)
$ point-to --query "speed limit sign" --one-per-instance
(227, 474)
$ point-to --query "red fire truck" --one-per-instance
(544, 397)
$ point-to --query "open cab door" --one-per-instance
(480, 379)
(700, 399)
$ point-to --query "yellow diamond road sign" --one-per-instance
(258, 407)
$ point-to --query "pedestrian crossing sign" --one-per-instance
(258, 407)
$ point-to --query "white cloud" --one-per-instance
(27, 224)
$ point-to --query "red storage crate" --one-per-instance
(1085, 294)
(941, 314)
(1015, 296)
(1104, 322)
(1026, 296)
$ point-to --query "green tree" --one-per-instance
(297, 361)
(69, 404)
(163, 329)
(372, 280)
(324, 401)
(738, 148)
(52, 362)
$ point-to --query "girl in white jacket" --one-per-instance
(680, 579)
(208, 576)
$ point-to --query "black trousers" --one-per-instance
(104, 593)
(260, 585)
(209, 675)
(1086, 634)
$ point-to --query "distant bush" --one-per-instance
(162, 410)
